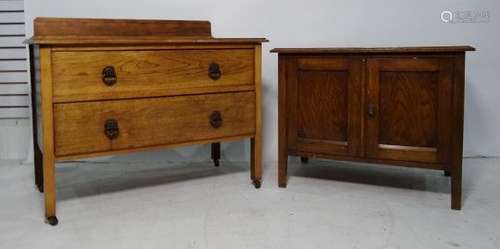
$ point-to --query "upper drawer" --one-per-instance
(79, 75)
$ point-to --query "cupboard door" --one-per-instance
(324, 107)
(408, 109)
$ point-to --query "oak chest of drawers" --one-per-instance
(102, 87)
(400, 106)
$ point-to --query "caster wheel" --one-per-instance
(304, 159)
(52, 220)
(256, 183)
(216, 162)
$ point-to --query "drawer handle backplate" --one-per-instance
(214, 71)
(216, 119)
(371, 110)
(109, 76)
(111, 129)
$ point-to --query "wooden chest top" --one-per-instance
(67, 31)
(374, 50)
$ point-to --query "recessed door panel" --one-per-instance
(324, 115)
(408, 109)
(403, 93)
(323, 94)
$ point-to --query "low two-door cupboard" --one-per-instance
(395, 106)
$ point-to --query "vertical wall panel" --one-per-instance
(14, 89)
(13, 64)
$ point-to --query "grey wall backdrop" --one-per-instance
(324, 23)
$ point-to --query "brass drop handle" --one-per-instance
(109, 75)
(214, 71)
(111, 129)
(216, 119)
(371, 109)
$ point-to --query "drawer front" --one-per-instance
(88, 127)
(98, 75)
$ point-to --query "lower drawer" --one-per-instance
(88, 127)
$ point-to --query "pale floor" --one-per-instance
(327, 204)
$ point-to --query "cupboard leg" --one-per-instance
(456, 188)
(49, 190)
(216, 153)
(38, 164)
(284, 65)
(255, 161)
(282, 171)
(304, 159)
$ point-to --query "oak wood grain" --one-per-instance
(50, 26)
(140, 40)
(152, 147)
(158, 94)
(373, 50)
(149, 47)
(49, 174)
(85, 32)
(323, 92)
(410, 109)
(324, 103)
(151, 121)
(413, 109)
(282, 120)
(256, 141)
(78, 75)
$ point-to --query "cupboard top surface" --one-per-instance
(54, 31)
(350, 50)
